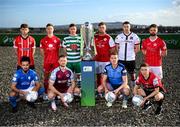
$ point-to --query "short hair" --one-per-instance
(153, 26)
(126, 22)
(101, 23)
(62, 56)
(24, 25)
(49, 24)
(72, 25)
(25, 59)
(113, 53)
(144, 65)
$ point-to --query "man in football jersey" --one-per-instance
(128, 44)
(154, 48)
(149, 86)
(49, 47)
(24, 45)
(71, 45)
(104, 46)
(61, 81)
(24, 81)
(115, 78)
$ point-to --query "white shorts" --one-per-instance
(100, 66)
(27, 90)
(157, 70)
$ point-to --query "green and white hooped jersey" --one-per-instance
(72, 45)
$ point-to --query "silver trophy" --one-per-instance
(88, 47)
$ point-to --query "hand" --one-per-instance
(116, 91)
(106, 91)
(23, 92)
(144, 100)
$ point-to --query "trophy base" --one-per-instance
(87, 57)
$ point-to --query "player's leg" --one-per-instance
(77, 70)
(101, 66)
(159, 100)
(125, 91)
(12, 99)
(130, 66)
(51, 97)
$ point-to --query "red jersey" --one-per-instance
(153, 51)
(103, 44)
(151, 82)
(51, 49)
(24, 47)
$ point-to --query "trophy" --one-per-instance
(88, 49)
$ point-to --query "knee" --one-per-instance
(77, 90)
(51, 95)
(159, 97)
(100, 89)
(12, 94)
(140, 92)
(126, 91)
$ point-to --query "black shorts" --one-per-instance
(129, 65)
(149, 91)
(30, 67)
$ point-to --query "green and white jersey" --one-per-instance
(72, 45)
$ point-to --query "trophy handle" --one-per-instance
(82, 44)
(93, 42)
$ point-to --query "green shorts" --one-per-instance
(75, 67)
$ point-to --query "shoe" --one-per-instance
(147, 106)
(158, 110)
(109, 104)
(53, 106)
(31, 104)
(124, 104)
(14, 109)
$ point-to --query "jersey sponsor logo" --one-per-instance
(29, 78)
(50, 45)
(131, 38)
(67, 75)
(55, 41)
(73, 47)
(154, 44)
(105, 39)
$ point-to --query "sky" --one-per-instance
(37, 13)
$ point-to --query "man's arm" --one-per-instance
(137, 48)
(37, 86)
(104, 79)
(13, 87)
(53, 89)
(125, 82)
(135, 90)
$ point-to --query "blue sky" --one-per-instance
(37, 13)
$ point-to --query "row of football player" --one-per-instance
(25, 84)
(127, 44)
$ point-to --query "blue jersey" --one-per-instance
(114, 75)
(25, 80)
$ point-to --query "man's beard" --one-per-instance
(153, 34)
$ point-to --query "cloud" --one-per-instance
(168, 17)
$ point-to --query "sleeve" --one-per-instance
(72, 76)
(15, 78)
(111, 42)
(163, 46)
(41, 44)
(52, 77)
(124, 72)
(105, 71)
(33, 43)
(15, 43)
(143, 46)
(136, 40)
(117, 40)
(156, 82)
(63, 43)
(35, 77)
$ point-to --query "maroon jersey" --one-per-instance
(61, 79)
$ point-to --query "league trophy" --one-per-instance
(88, 51)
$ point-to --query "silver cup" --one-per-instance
(87, 34)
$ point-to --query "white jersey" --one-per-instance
(126, 46)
